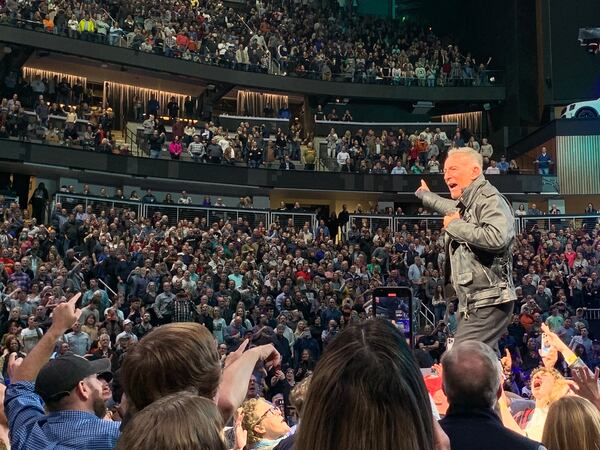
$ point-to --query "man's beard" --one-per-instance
(99, 406)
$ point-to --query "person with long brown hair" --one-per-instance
(573, 423)
(180, 421)
(183, 356)
(367, 393)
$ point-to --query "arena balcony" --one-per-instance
(43, 160)
(488, 88)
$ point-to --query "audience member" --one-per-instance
(368, 377)
(471, 421)
(573, 423)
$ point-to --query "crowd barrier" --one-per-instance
(177, 212)
(256, 217)
(523, 224)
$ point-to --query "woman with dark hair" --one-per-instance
(581, 352)
(38, 201)
(13, 345)
(168, 199)
(367, 393)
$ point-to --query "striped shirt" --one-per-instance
(30, 428)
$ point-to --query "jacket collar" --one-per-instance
(484, 413)
(468, 195)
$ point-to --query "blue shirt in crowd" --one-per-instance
(31, 428)
(544, 161)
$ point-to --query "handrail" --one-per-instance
(177, 212)
(393, 222)
(592, 313)
(333, 123)
(425, 313)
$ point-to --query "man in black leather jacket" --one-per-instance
(479, 233)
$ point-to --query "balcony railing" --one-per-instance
(175, 213)
(523, 224)
(266, 217)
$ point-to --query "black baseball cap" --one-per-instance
(60, 376)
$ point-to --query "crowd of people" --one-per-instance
(399, 152)
(391, 152)
(292, 38)
(156, 308)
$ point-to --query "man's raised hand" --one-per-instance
(66, 314)
(422, 188)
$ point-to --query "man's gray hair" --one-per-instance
(471, 375)
(468, 151)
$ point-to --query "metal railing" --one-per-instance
(435, 222)
(297, 219)
(175, 213)
(371, 222)
(132, 139)
(592, 314)
(99, 205)
(426, 316)
(559, 221)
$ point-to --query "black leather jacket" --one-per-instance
(478, 245)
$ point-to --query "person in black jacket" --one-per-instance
(286, 164)
(38, 201)
(282, 345)
(343, 218)
(471, 421)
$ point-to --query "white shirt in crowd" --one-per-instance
(342, 158)
(30, 338)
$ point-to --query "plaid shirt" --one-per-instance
(22, 280)
(31, 428)
(183, 310)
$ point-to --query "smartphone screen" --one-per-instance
(395, 304)
(546, 347)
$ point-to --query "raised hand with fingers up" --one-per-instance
(64, 315)
(587, 384)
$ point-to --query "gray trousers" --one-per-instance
(485, 325)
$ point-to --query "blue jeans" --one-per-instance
(154, 154)
(544, 171)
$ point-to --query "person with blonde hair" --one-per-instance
(297, 398)
(180, 421)
(573, 423)
(547, 387)
(263, 422)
